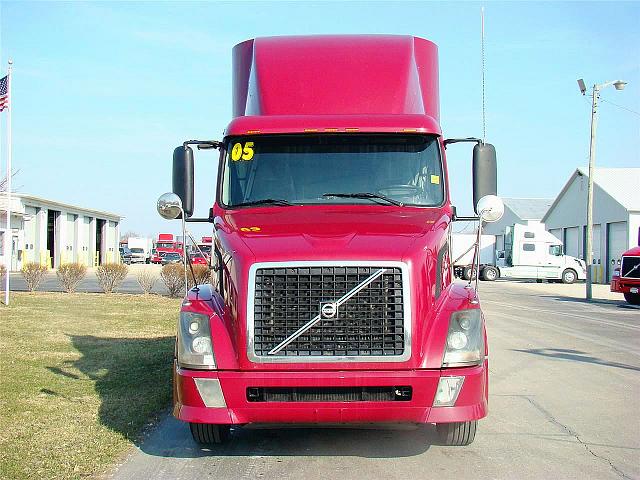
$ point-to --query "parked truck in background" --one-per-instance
(530, 252)
(166, 243)
(626, 278)
(333, 299)
(140, 249)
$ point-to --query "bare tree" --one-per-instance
(4, 181)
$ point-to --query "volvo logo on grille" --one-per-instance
(329, 309)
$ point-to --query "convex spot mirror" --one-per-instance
(169, 206)
(490, 208)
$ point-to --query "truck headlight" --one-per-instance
(465, 339)
(194, 342)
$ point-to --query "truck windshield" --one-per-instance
(303, 169)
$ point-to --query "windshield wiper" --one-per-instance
(264, 201)
(373, 196)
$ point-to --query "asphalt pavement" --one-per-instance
(564, 389)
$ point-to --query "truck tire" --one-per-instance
(457, 434)
(569, 276)
(632, 298)
(208, 434)
(489, 273)
(467, 273)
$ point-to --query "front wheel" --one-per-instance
(208, 434)
(468, 270)
(569, 276)
(489, 274)
(457, 434)
(632, 298)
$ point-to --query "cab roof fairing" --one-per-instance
(336, 75)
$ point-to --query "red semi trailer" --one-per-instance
(333, 299)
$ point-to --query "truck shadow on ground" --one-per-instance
(601, 301)
(575, 356)
(172, 439)
(132, 377)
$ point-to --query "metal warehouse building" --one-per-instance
(53, 233)
(616, 216)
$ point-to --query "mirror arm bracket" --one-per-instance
(203, 144)
(459, 219)
(460, 140)
(198, 220)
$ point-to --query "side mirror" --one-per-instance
(490, 208)
(183, 177)
(485, 172)
(169, 206)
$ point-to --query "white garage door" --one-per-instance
(572, 245)
(617, 244)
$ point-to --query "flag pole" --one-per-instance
(9, 240)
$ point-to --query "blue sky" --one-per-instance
(103, 92)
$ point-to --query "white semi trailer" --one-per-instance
(530, 252)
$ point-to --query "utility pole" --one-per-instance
(592, 164)
(619, 85)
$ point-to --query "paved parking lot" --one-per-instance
(564, 395)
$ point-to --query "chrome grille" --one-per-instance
(628, 263)
(370, 325)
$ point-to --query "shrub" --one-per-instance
(111, 275)
(147, 280)
(33, 273)
(202, 274)
(70, 275)
(173, 277)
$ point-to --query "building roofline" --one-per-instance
(67, 206)
(582, 172)
(561, 194)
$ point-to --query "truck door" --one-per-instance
(551, 261)
(527, 266)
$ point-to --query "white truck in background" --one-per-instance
(530, 252)
(140, 249)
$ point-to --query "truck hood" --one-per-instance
(353, 232)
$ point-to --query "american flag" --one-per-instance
(4, 97)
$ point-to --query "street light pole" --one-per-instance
(619, 85)
(592, 162)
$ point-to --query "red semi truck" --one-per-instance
(626, 278)
(333, 299)
(167, 244)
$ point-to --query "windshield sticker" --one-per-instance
(242, 153)
(435, 179)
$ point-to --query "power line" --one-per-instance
(620, 106)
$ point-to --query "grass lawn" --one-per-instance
(80, 375)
